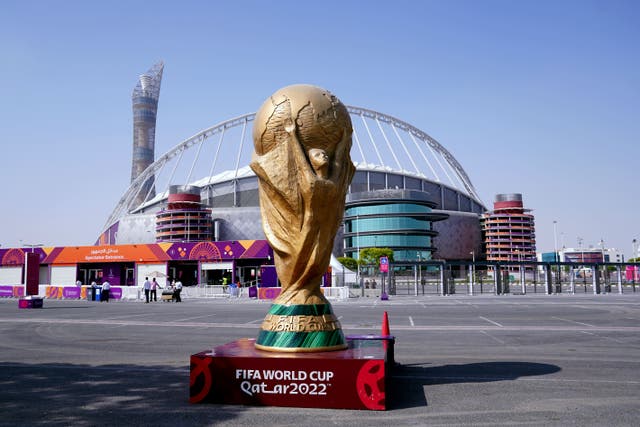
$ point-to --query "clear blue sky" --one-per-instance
(536, 97)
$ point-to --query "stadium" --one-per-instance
(409, 193)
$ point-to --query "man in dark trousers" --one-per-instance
(154, 290)
(147, 287)
(104, 294)
(177, 291)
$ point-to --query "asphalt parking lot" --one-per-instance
(483, 360)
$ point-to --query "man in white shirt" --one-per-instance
(104, 294)
(177, 291)
(147, 288)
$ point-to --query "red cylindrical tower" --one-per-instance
(184, 219)
(509, 230)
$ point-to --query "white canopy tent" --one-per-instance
(340, 275)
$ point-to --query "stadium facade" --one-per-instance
(408, 193)
(399, 196)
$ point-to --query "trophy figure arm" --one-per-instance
(342, 168)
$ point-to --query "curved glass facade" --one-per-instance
(388, 241)
(398, 219)
(387, 209)
(365, 224)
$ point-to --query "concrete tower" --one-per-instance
(509, 230)
(145, 106)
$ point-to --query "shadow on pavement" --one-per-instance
(407, 387)
(83, 395)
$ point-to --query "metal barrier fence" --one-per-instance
(445, 278)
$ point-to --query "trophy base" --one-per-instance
(300, 328)
(237, 373)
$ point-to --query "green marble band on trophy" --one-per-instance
(302, 140)
(303, 327)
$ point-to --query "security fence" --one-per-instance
(450, 277)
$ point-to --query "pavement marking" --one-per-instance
(191, 318)
(490, 321)
(605, 338)
(465, 303)
(131, 315)
(573, 321)
(411, 321)
(364, 326)
(493, 338)
(253, 322)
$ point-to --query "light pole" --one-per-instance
(634, 252)
(519, 255)
(580, 248)
(419, 267)
(555, 241)
(358, 249)
(473, 270)
(473, 264)
(604, 268)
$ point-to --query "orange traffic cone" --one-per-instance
(385, 331)
(385, 325)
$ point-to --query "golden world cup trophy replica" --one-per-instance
(302, 140)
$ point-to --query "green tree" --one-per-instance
(370, 256)
(348, 262)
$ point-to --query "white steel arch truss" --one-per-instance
(408, 160)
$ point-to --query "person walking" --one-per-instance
(154, 290)
(177, 291)
(104, 294)
(147, 288)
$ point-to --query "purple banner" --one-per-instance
(268, 276)
(115, 293)
(111, 275)
(6, 291)
(71, 292)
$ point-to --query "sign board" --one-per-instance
(384, 264)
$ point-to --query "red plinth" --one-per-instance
(237, 373)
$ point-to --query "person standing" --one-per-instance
(104, 294)
(147, 288)
(154, 290)
(177, 291)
